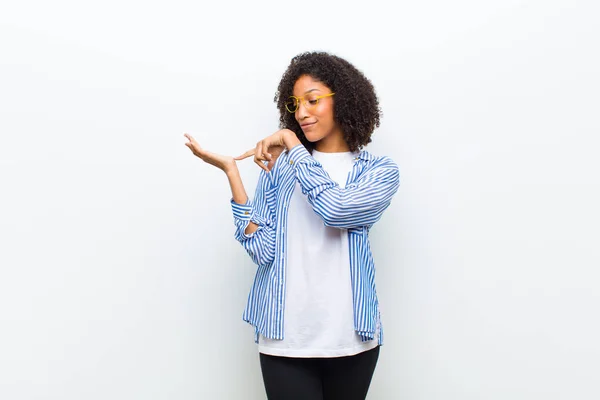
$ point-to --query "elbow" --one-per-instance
(332, 216)
(264, 259)
(346, 219)
(261, 249)
(342, 221)
(251, 228)
(332, 221)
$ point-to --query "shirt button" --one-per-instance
(247, 212)
(291, 162)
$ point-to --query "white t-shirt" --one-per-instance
(318, 314)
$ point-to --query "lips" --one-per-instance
(304, 126)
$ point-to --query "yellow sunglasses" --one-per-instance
(309, 101)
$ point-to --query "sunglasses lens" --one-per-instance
(291, 104)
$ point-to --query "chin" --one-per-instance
(311, 137)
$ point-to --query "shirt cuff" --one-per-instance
(298, 154)
(242, 211)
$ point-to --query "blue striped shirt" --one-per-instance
(371, 185)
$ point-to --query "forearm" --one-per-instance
(286, 138)
(360, 203)
(237, 186)
(238, 193)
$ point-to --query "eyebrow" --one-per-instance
(311, 90)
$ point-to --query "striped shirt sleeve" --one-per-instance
(361, 203)
(260, 244)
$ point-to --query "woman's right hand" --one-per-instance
(224, 163)
(268, 149)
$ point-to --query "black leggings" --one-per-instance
(343, 378)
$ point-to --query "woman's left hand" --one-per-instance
(224, 163)
(268, 149)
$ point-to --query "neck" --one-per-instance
(333, 143)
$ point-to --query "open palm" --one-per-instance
(218, 160)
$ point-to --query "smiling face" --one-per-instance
(317, 121)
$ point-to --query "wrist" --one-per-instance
(290, 139)
(231, 170)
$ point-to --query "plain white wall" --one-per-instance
(119, 274)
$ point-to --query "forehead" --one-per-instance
(307, 83)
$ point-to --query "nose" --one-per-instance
(301, 112)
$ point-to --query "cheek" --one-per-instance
(327, 114)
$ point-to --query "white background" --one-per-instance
(119, 274)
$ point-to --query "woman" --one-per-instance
(313, 302)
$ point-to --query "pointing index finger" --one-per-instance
(245, 155)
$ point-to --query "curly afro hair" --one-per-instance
(356, 107)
